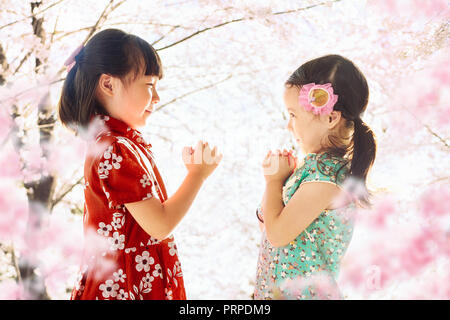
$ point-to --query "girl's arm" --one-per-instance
(261, 226)
(159, 219)
(284, 224)
(261, 223)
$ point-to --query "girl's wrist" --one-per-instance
(197, 176)
(275, 182)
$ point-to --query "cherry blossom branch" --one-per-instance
(31, 16)
(145, 23)
(65, 193)
(426, 126)
(92, 29)
(438, 180)
(193, 91)
(244, 19)
(164, 35)
(3, 64)
(63, 34)
(436, 135)
(103, 17)
(10, 249)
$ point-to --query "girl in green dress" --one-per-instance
(306, 215)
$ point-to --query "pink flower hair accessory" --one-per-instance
(70, 62)
(318, 98)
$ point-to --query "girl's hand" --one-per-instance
(278, 166)
(201, 161)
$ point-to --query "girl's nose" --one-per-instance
(155, 97)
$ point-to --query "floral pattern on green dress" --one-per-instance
(317, 251)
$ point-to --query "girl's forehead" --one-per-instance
(145, 78)
(291, 97)
(291, 91)
(151, 78)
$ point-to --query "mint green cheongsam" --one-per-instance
(318, 250)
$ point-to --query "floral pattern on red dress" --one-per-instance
(120, 260)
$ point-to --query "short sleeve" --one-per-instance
(324, 168)
(125, 174)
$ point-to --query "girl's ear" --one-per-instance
(105, 85)
(333, 119)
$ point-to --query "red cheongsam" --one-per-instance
(120, 260)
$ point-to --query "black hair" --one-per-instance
(112, 52)
(353, 96)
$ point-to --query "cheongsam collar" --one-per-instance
(119, 127)
(322, 156)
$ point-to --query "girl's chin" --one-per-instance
(140, 123)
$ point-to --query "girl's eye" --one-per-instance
(291, 115)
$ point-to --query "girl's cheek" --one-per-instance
(293, 125)
(297, 129)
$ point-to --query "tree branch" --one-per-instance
(244, 19)
(65, 193)
(192, 92)
(32, 15)
(436, 135)
(110, 7)
(164, 35)
(201, 31)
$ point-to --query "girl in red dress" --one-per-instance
(129, 251)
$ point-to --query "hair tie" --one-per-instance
(358, 120)
(71, 61)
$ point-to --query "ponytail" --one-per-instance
(67, 100)
(78, 101)
(363, 156)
